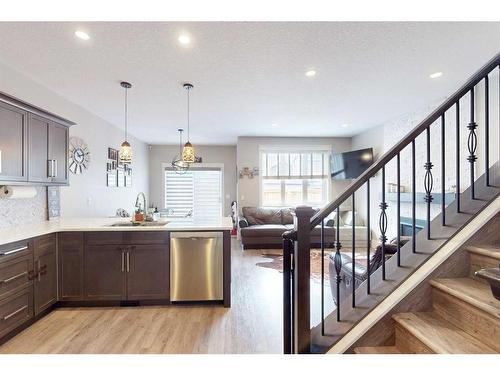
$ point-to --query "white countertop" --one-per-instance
(103, 224)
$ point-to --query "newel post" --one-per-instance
(301, 279)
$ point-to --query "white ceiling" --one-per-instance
(250, 75)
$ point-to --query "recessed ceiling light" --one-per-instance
(184, 39)
(344, 125)
(310, 73)
(436, 75)
(82, 35)
(274, 125)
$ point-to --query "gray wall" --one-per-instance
(248, 156)
(211, 154)
(87, 195)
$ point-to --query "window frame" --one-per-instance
(324, 149)
(198, 166)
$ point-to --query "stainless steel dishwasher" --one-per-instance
(196, 266)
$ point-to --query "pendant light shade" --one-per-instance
(178, 164)
(188, 150)
(125, 153)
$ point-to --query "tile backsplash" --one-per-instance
(15, 212)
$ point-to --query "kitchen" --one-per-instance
(139, 259)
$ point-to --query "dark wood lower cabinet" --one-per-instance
(45, 273)
(105, 276)
(71, 273)
(147, 272)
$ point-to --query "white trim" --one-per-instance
(416, 278)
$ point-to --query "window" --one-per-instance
(196, 193)
(294, 178)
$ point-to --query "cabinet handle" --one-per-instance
(123, 261)
(38, 271)
(54, 174)
(6, 317)
(50, 167)
(128, 261)
(15, 250)
(5, 281)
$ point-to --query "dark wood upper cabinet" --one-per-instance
(47, 150)
(45, 269)
(58, 153)
(147, 272)
(38, 149)
(105, 276)
(33, 144)
(70, 257)
(13, 153)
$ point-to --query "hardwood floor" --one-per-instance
(251, 325)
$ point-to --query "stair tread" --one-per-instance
(471, 291)
(439, 335)
(489, 251)
(377, 350)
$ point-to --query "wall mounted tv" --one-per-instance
(350, 165)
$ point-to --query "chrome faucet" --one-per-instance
(138, 204)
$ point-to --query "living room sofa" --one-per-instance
(262, 228)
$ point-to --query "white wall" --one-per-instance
(248, 156)
(87, 195)
(210, 154)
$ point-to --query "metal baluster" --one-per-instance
(428, 182)
(472, 143)
(457, 152)
(382, 222)
(322, 278)
(398, 208)
(443, 175)
(413, 200)
(287, 296)
(368, 235)
(487, 128)
(337, 260)
(292, 281)
(353, 251)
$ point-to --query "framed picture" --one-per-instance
(111, 179)
(128, 180)
(112, 153)
(120, 177)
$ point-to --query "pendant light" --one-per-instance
(125, 153)
(179, 165)
(188, 150)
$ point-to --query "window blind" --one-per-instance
(197, 193)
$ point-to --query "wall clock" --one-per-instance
(79, 155)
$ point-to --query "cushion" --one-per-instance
(264, 230)
(347, 216)
(258, 216)
(287, 215)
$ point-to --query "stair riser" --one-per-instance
(407, 343)
(478, 261)
(474, 321)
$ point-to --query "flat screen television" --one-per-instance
(352, 164)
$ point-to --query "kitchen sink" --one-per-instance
(140, 224)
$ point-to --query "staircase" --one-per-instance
(465, 317)
(464, 312)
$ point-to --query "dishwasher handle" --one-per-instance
(196, 235)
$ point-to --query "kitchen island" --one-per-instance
(107, 262)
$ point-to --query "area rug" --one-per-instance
(276, 262)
